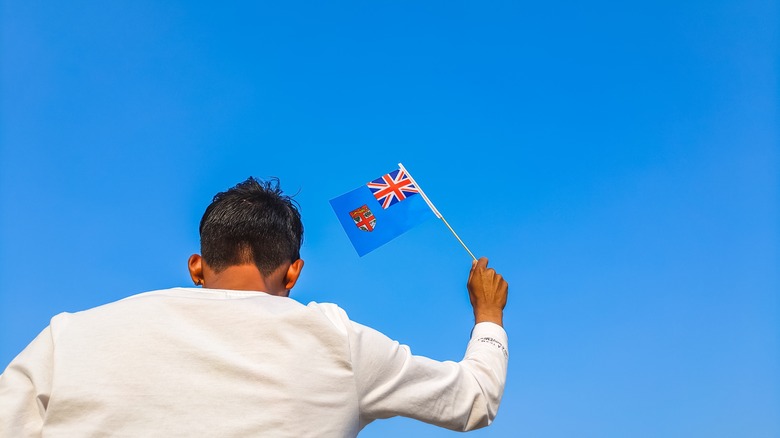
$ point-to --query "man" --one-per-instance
(238, 358)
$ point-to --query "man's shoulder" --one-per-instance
(107, 311)
(147, 294)
(177, 293)
(152, 294)
(337, 316)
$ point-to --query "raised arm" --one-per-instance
(461, 395)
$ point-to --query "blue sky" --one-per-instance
(617, 162)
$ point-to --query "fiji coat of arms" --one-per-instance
(363, 218)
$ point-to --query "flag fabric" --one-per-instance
(380, 210)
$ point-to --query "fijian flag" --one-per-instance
(380, 210)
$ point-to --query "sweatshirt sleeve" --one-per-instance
(456, 395)
(25, 386)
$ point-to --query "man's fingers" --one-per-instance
(478, 265)
(503, 286)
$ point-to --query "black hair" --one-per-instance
(253, 222)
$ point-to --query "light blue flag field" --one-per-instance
(381, 210)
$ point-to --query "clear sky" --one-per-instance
(617, 162)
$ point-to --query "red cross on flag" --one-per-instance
(393, 187)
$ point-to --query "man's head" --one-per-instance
(250, 237)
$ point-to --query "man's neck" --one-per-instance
(247, 278)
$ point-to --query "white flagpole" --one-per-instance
(433, 208)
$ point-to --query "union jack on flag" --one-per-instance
(392, 188)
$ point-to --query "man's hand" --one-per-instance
(487, 291)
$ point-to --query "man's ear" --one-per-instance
(293, 272)
(195, 265)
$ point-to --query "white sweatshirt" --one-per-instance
(207, 362)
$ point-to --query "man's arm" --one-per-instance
(457, 395)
